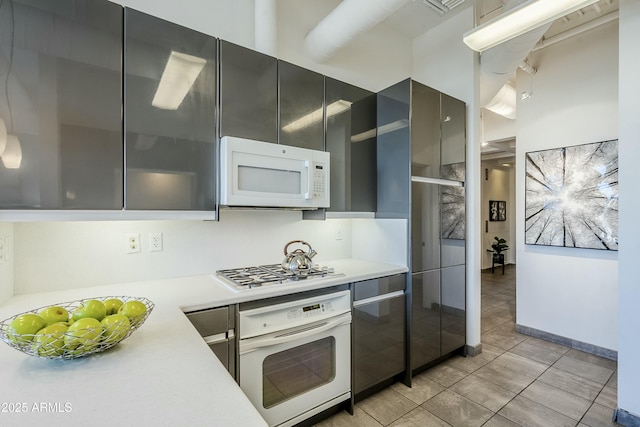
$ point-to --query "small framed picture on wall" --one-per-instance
(497, 210)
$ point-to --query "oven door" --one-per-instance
(293, 374)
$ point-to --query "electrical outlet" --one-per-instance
(155, 242)
(133, 243)
(339, 233)
(3, 249)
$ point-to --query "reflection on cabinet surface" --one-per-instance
(170, 132)
(351, 140)
(425, 318)
(301, 102)
(61, 98)
(248, 93)
(438, 314)
(379, 311)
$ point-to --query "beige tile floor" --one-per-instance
(516, 381)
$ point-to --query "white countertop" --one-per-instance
(162, 375)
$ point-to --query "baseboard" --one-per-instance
(473, 350)
(626, 418)
(578, 345)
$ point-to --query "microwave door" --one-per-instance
(269, 181)
(255, 179)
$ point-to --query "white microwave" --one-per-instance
(262, 174)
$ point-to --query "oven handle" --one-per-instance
(252, 344)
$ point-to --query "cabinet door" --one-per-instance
(378, 341)
(425, 131)
(170, 101)
(453, 311)
(301, 102)
(425, 226)
(425, 318)
(394, 151)
(454, 136)
(61, 102)
(248, 93)
(351, 140)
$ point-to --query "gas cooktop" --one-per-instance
(272, 274)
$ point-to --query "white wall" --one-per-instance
(499, 186)
(565, 291)
(79, 254)
(629, 151)
(6, 264)
(496, 127)
(229, 20)
(374, 60)
(84, 254)
(442, 61)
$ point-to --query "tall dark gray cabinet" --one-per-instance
(421, 167)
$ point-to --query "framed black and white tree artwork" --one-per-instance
(497, 210)
(571, 196)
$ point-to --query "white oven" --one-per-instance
(295, 356)
(256, 173)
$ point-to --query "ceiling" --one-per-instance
(416, 17)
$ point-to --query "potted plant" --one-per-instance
(498, 246)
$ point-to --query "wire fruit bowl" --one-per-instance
(50, 346)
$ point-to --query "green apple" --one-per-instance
(23, 328)
(83, 335)
(115, 327)
(92, 308)
(49, 341)
(134, 310)
(54, 314)
(112, 305)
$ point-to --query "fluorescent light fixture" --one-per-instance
(12, 156)
(178, 77)
(520, 20)
(315, 116)
(3, 136)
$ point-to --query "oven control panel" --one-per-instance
(310, 311)
(278, 317)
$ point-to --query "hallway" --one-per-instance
(516, 381)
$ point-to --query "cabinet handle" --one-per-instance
(215, 339)
(377, 298)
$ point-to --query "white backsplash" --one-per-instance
(6, 261)
(62, 255)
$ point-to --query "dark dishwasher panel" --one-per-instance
(378, 331)
(217, 327)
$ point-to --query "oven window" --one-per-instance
(297, 370)
(265, 180)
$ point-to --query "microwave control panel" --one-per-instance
(319, 180)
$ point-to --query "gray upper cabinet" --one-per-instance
(394, 151)
(351, 140)
(61, 101)
(425, 131)
(301, 101)
(170, 115)
(453, 128)
(248, 93)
